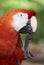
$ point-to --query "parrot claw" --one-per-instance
(31, 54)
(28, 55)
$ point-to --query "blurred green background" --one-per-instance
(37, 5)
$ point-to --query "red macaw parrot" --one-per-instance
(11, 23)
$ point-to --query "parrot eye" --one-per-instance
(20, 14)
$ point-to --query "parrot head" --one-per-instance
(22, 20)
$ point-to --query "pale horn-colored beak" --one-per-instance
(33, 23)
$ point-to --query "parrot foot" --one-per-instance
(28, 55)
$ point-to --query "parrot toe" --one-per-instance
(29, 55)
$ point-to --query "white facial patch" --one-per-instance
(19, 20)
(34, 23)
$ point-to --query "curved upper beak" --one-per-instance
(33, 23)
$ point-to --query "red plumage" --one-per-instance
(10, 41)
